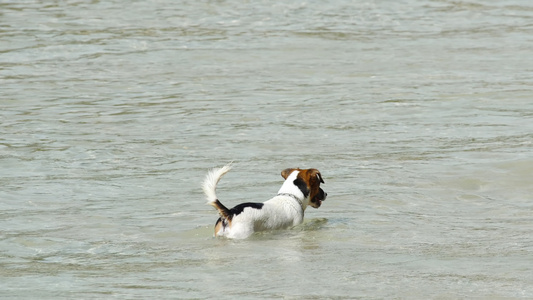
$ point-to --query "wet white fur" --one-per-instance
(280, 212)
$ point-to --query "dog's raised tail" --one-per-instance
(210, 185)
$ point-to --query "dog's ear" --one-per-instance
(316, 173)
(285, 173)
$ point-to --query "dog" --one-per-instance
(300, 189)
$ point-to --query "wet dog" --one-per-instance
(300, 189)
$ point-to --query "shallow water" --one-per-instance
(417, 113)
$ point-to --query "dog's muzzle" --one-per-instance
(318, 198)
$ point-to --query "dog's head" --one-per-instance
(308, 181)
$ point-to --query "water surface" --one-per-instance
(417, 113)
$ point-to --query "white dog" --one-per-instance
(300, 189)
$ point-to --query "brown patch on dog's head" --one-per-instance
(308, 180)
(313, 178)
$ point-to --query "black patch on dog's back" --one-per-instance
(302, 186)
(239, 208)
(236, 211)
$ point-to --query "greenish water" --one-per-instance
(417, 113)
